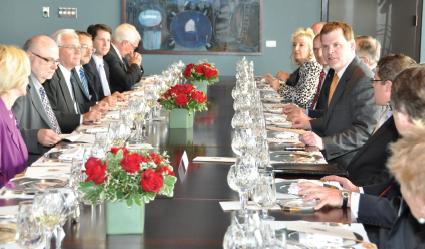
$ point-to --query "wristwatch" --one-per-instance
(345, 195)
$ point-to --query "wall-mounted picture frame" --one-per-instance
(196, 26)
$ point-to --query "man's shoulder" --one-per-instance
(358, 70)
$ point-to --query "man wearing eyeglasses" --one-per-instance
(64, 89)
(125, 65)
(37, 122)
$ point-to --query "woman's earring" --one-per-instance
(421, 220)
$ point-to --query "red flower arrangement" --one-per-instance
(183, 96)
(200, 72)
(132, 176)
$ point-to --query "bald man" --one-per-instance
(37, 122)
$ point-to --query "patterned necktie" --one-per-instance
(334, 84)
(84, 83)
(104, 80)
(46, 105)
(319, 86)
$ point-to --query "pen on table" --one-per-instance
(290, 209)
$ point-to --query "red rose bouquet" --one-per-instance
(135, 177)
(183, 96)
(200, 72)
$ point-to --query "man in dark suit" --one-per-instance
(64, 90)
(407, 100)
(125, 65)
(351, 114)
(97, 69)
(37, 122)
(369, 164)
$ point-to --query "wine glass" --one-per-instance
(264, 193)
(242, 177)
(48, 208)
(244, 231)
(29, 233)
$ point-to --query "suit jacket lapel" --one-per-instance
(342, 86)
(65, 92)
(36, 102)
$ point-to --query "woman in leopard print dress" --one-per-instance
(301, 86)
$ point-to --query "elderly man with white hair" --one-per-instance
(64, 88)
(124, 63)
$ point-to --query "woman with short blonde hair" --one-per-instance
(301, 86)
(14, 72)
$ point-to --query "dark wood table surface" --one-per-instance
(193, 218)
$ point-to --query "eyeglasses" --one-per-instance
(374, 80)
(132, 45)
(88, 48)
(75, 48)
(48, 60)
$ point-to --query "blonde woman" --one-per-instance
(299, 87)
(14, 72)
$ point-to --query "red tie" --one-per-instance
(319, 86)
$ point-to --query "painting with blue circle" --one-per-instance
(196, 26)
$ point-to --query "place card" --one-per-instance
(204, 159)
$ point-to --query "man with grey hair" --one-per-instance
(64, 90)
(37, 122)
(368, 49)
(124, 63)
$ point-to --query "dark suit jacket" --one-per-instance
(369, 164)
(93, 78)
(62, 103)
(380, 203)
(31, 117)
(322, 102)
(122, 77)
(405, 233)
(350, 117)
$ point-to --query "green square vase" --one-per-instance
(181, 118)
(121, 219)
(201, 86)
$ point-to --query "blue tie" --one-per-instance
(84, 83)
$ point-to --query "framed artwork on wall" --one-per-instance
(196, 26)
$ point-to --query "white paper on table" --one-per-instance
(52, 171)
(236, 205)
(69, 154)
(113, 115)
(78, 137)
(343, 231)
(98, 129)
(8, 210)
(200, 159)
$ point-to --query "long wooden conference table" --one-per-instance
(193, 218)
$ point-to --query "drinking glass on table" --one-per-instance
(29, 232)
(264, 193)
(48, 208)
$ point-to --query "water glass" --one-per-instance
(29, 232)
(264, 193)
